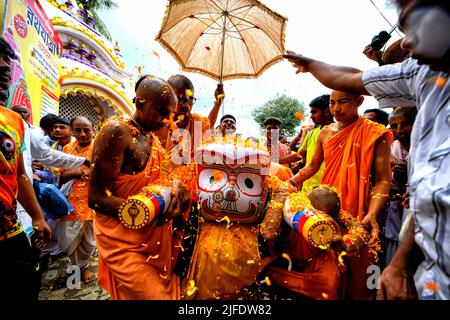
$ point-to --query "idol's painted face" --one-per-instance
(237, 192)
(232, 188)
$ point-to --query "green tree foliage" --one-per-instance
(284, 108)
(95, 5)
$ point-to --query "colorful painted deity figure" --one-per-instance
(231, 194)
(240, 211)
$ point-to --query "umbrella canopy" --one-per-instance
(223, 39)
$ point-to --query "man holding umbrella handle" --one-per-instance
(219, 96)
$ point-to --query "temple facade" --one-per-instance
(92, 70)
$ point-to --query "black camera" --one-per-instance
(380, 40)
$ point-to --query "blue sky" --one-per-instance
(332, 31)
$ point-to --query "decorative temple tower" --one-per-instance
(93, 71)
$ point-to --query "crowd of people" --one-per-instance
(381, 179)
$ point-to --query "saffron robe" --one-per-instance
(348, 163)
(136, 264)
(348, 157)
(226, 260)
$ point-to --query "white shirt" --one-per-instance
(50, 157)
(409, 84)
(37, 149)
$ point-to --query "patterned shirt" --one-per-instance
(11, 147)
(78, 197)
(409, 84)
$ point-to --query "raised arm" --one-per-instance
(219, 95)
(298, 139)
(108, 157)
(334, 77)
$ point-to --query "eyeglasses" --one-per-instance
(190, 100)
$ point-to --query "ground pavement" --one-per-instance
(54, 283)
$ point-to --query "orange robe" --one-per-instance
(319, 277)
(188, 141)
(78, 197)
(136, 264)
(348, 163)
(226, 260)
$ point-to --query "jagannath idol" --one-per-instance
(240, 211)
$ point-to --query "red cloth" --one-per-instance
(319, 277)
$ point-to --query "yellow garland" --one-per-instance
(184, 174)
(357, 232)
(237, 141)
(273, 183)
(273, 205)
(299, 201)
(206, 125)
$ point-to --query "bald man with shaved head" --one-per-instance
(128, 156)
(185, 120)
(356, 152)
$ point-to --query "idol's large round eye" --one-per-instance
(212, 179)
(8, 145)
(250, 183)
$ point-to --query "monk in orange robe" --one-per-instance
(178, 138)
(356, 155)
(134, 263)
(188, 123)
